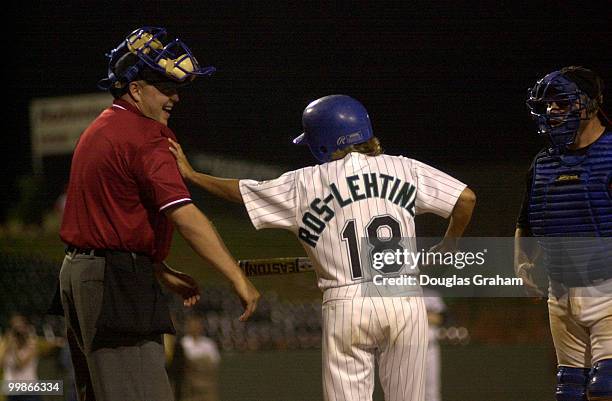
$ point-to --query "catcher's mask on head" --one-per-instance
(142, 55)
(556, 103)
(332, 123)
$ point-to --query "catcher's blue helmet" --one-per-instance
(173, 61)
(559, 124)
(334, 122)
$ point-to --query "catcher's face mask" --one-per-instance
(173, 61)
(557, 106)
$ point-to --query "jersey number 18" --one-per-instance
(377, 243)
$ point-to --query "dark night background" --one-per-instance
(443, 81)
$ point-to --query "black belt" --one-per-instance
(71, 250)
(84, 251)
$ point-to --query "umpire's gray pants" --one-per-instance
(124, 373)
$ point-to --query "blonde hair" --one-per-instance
(371, 147)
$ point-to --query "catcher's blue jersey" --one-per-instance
(571, 198)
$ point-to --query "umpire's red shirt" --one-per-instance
(122, 178)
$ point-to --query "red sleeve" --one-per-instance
(158, 175)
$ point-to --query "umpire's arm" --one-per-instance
(202, 236)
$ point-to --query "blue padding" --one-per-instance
(600, 383)
(572, 384)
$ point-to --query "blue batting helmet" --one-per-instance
(145, 52)
(332, 123)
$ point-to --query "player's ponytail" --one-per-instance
(371, 147)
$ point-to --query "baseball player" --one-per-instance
(568, 206)
(356, 198)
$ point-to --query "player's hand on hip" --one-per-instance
(447, 244)
(249, 296)
(181, 160)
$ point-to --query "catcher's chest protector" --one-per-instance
(571, 197)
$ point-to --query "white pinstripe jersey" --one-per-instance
(332, 207)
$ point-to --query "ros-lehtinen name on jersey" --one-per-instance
(364, 186)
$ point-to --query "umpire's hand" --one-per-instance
(249, 296)
(180, 283)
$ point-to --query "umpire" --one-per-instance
(124, 196)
